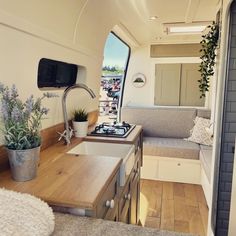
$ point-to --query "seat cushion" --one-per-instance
(170, 147)
(206, 160)
(165, 122)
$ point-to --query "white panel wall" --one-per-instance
(140, 62)
(71, 31)
(20, 54)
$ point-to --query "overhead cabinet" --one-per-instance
(177, 85)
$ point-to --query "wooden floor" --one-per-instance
(173, 206)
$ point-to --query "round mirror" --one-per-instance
(139, 80)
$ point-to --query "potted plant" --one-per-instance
(21, 128)
(80, 122)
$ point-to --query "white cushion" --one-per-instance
(199, 133)
(24, 215)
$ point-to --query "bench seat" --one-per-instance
(170, 147)
(167, 156)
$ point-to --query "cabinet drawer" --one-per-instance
(179, 171)
(108, 200)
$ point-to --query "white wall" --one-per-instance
(140, 62)
(71, 31)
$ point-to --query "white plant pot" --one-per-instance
(80, 128)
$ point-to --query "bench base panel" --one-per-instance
(206, 186)
(171, 169)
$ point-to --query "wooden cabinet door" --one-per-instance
(113, 213)
(124, 204)
(135, 193)
(134, 201)
(167, 84)
(189, 90)
(107, 207)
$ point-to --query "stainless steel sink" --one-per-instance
(123, 151)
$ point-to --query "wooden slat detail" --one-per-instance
(168, 191)
(175, 50)
(190, 195)
(182, 207)
(167, 215)
(179, 190)
(195, 221)
(200, 195)
(152, 191)
(203, 209)
(181, 226)
(4, 164)
(152, 222)
(49, 138)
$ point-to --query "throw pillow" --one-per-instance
(199, 133)
(23, 214)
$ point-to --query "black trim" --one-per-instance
(125, 73)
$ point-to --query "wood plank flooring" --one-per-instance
(173, 206)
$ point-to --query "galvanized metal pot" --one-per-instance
(24, 163)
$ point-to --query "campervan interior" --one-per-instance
(144, 147)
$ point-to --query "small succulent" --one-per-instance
(21, 120)
(80, 115)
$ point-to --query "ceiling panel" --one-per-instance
(135, 14)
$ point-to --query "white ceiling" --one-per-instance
(134, 18)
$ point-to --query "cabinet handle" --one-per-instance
(179, 164)
(110, 204)
(127, 196)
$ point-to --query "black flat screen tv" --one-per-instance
(56, 74)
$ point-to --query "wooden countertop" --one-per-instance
(68, 180)
(65, 179)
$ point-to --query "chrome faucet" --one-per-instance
(67, 134)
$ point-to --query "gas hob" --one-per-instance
(119, 130)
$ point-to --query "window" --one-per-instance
(116, 57)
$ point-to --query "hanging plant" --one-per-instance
(209, 43)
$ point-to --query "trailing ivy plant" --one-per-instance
(208, 55)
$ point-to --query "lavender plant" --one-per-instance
(21, 120)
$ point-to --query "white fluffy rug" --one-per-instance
(24, 215)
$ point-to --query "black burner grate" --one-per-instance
(119, 130)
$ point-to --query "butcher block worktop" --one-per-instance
(68, 180)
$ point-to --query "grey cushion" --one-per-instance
(206, 159)
(170, 147)
(204, 113)
(169, 122)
